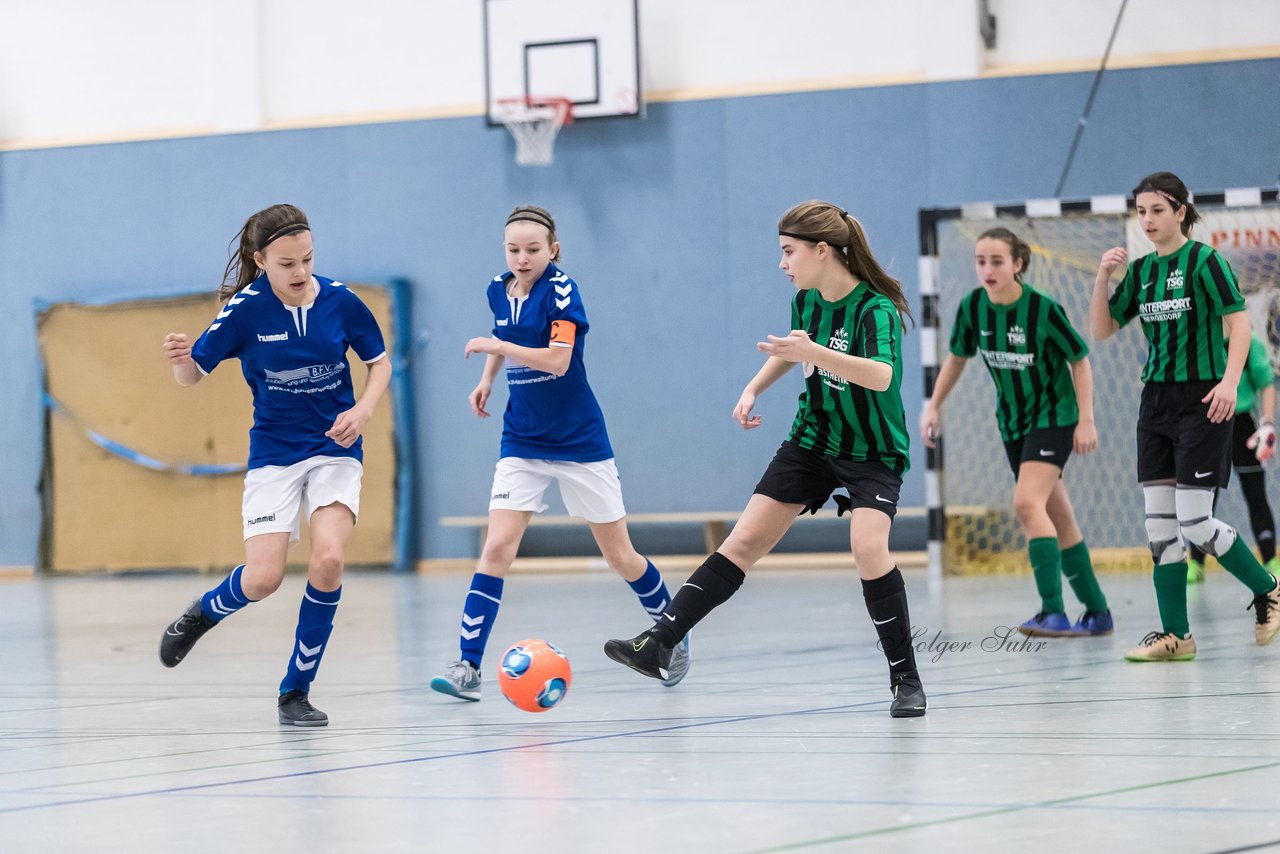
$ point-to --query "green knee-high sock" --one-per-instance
(1171, 597)
(1078, 569)
(1240, 562)
(1046, 563)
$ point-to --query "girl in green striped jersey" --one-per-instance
(1044, 409)
(1189, 303)
(849, 431)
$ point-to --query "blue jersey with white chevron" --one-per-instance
(295, 362)
(547, 417)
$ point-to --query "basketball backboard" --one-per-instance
(587, 51)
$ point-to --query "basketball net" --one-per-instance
(534, 122)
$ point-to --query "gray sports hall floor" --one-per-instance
(779, 740)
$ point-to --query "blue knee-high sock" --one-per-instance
(478, 613)
(225, 599)
(652, 591)
(315, 623)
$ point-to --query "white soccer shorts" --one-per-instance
(274, 495)
(590, 490)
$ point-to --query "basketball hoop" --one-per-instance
(534, 122)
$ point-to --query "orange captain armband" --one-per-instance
(563, 333)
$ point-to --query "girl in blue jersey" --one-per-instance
(291, 331)
(552, 429)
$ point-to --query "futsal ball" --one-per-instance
(534, 675)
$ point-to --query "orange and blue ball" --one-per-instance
(534, 675)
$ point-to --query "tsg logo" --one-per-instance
(839, 340)
(1173, 282)
(1017, 335)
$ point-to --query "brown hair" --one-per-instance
(1018, 250)
(823, 222)
(1175, 192)
(259, 231)
(538, 216)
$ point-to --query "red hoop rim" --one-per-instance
(564, 104)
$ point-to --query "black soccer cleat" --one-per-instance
(296, 710)
(644, 653)
(183, 633)
(908, 695)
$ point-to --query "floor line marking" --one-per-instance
(1054, 803)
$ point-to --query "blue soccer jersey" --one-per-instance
(295, 362)
(548, 417)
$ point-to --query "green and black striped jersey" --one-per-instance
(1181, 299)
(837, 417)
(1027, 346)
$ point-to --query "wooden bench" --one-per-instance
(714, 525)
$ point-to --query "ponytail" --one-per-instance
(863, 265)
(823, 222)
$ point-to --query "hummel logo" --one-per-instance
(885, 500)
(562, 292)
(1046, 453)
(1201, 474)
(882, 622)
(639, 646)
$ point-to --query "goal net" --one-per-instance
(973, 529)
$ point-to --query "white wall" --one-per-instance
(1151, 29)
(94, 70)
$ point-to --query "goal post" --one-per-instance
(968, 487)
